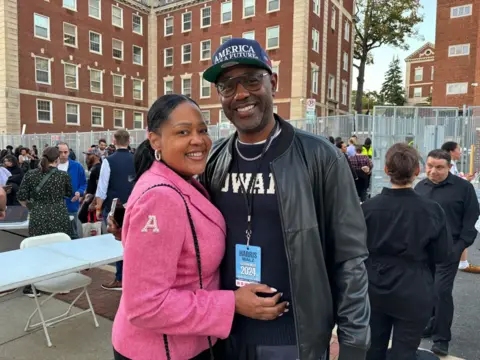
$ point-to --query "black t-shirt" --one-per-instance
(93, 179)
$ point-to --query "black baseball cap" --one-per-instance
(237, 51)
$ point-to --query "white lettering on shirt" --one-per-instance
(151, 224)
(244, 178)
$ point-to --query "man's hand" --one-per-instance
(76, 197)
(248, 304)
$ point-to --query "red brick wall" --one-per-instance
(345, 75)
(332, 50)
(314, 57)
(427, 72)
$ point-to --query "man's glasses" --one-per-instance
(250, 82)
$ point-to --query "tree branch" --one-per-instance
(357, 66)
(357, 31)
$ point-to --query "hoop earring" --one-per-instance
(158, 155)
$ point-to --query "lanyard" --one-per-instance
(249, 193)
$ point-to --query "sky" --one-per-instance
(374, 74)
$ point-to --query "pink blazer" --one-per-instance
(161, 291)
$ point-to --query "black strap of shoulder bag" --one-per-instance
(45, 179)
(197, 254)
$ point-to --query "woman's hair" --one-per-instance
(49, 156)
(401, 162)
(339, 144)
(157, 116)
(12, 159)
(450, 146)
(331, 139)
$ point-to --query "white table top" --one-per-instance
(14, 226)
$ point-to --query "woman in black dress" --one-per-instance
(406, 233)
(43, 191)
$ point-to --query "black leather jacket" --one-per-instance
(325, 240)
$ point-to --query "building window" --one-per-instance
(118, 118)
(73, 114)
(117, 16)
(206, 17)
(457, 88)
(314, 81)
(168, 57)
(316, 7)
(42, 26)
(206, 116)
(248, 8)
(315, 40)
(344, 92)
(95, 42)
(433, 72)
(276, 70)
(334, 18)
(222, 118)
(137, 89)
(117, 85)
(331, 87)
(117, 49)
(168, 87)
(461, 11)
(187, 87)
(205, 89)
(345, 61)
(95, 9)
(275, 109)
(186, 21)
(249, 35)
(273, 5)
(70, 4)
(137, 24)
(417, 92)
(273, 37)
(224, 39)
(42, 71)
(459, 50)
(205, 50)
(71, 76)
(44, 111)
(69, 35)
(137, 120)
(347, 31)
(168, 24)
(419, 74)
(137, 55)
(97, 116)
(96, 81)
(186, 53)
(226, 12)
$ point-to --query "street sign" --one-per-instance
(311, 105)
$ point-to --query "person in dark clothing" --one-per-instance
(458, 199)
(72, 155)
(343, 148)
(362, 165)
(331, 139)
(94, 165)
(11, 164)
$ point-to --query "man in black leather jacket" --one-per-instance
(302, 218)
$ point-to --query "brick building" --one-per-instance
(81, 65)
(419, 75)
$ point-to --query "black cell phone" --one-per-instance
(117, 212)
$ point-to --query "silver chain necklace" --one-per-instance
(258, 156)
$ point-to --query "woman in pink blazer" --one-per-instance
(174, 241)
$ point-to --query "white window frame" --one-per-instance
(90, 42)
(75, 36)
(316, 7)
(346, 36)
(135, 121)
(141, 55)
(120, 111)
(346, 61)
(315, 40)
(268, 7)
(99, 17)
(114, 76)
(121, 16)
(421, 75)
(203, 58)
(204, 84)
(464, 84)
(249, 37)
(138, 81)
(331, 96)
(415, 92)
(183, 54)
(183, 22)
(432, 73)
(222, 12)
(267, 38)
(66, 114)
(221, 114)
(165, 87)
(91, 116)
(203, 17)
(245, 7)
(314, 72)
(165, 27)
(49, 71)
(123, 49)
(141, 24)
(458, 8)
(458, 50)
(344, 92)
(224, 39)
(276, 70)
(333, 23)
(101, 81)
(206, 118)
(165, 57)
(68, 7)
(50, 111)
(183, 86)
(35, 26)
(65, 76)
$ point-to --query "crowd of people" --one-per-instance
(255, 247)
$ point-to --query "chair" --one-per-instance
(58, 285)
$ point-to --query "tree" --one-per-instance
(392, 89)
(370, 99)
(381, 22)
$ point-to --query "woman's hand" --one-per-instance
(113, 228)
(248, 304)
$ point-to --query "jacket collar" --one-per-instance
(449, 180)
(398, 192)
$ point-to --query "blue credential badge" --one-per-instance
(248, 264)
